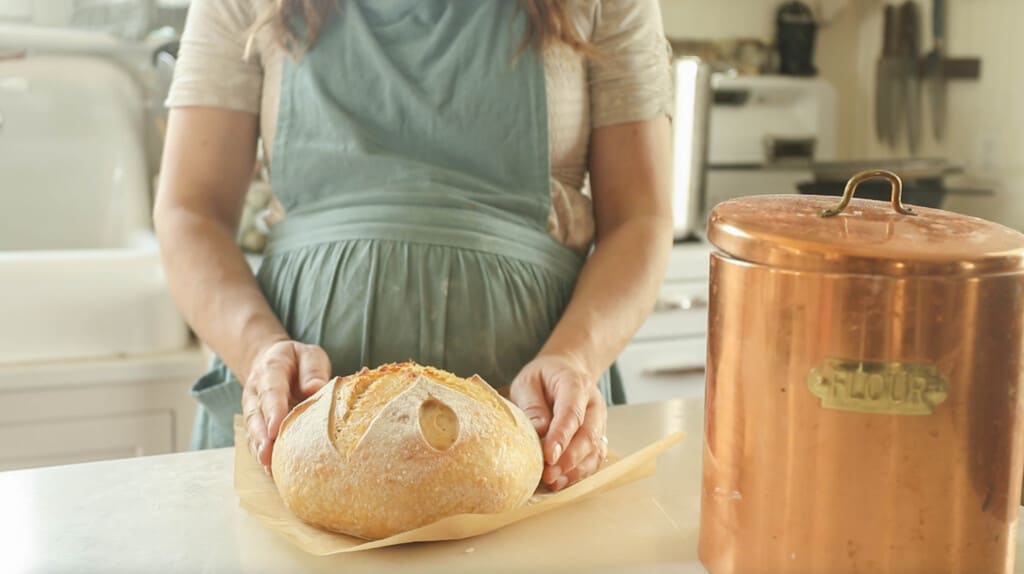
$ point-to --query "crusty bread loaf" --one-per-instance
(390, 449)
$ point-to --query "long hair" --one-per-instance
(550, 23)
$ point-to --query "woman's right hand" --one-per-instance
(283, 375)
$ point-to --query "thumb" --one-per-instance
(528, 393)
(314, 369)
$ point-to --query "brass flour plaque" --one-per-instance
(877, 387)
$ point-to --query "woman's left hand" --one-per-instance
(567, 409)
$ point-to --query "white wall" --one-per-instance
(716, 19)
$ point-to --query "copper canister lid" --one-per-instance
(814, 233)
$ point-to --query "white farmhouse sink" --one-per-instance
(80, 274)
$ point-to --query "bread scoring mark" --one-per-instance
(474, 387)
(299, 408)
(359, 383)
(398, 411)
(368, 392)
(504, 404)
(332, 413)
(439, 425)
(360, 395)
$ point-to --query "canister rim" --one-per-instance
(869, 237)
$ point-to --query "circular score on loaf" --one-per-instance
(394, 448)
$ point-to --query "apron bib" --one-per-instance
(411, 158)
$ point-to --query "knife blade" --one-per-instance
(886, 74)
(910, 54)
(935, 69)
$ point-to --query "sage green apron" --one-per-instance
(411, 157)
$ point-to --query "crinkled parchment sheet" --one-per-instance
(258, 495)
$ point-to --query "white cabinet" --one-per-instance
(89, 439)
(70, 412)
(667, 356)
(659, 370)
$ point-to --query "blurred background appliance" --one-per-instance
(690, 135)
(766, 133)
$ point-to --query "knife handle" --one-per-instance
(890, 32)
(910, 31)
(938, 20)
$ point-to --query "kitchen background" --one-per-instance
(95, 362)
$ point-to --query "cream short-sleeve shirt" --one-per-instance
(219, 65)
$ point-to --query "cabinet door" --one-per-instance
(90, 439)
(662, 370)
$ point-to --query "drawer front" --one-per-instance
(662, 370)
(681, 311)
(45, 443)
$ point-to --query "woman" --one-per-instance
(430, 157)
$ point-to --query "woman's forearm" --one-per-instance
(616, 290)
(630, 169)
(208, 161)
(215, 288)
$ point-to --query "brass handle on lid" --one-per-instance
(857, 179)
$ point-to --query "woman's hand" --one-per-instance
(631, 183)
(567, 409)
(283, 375)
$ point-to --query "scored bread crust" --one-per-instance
(391, 449)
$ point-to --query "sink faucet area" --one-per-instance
(90, 339)
(78, 258)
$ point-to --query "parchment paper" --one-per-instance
(258, 495)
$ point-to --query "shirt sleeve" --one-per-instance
(631, 76)
(213, 68)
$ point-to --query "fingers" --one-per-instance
(569, 412)
(581, 446)
(314, 370)
(527, 392)
(271, 385)
(587, 440)
(588, 467)
(587, 448)
(287, 373)
(255, 425)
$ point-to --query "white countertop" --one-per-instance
(178, 513)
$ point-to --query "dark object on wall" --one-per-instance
(922, 192)
(924, 180)
(795, 33)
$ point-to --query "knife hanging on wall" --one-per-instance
(897, 92)
(910, 57)
(886, 74)
(935, 69)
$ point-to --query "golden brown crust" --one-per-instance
(390, 449)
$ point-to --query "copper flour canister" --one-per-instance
(862, 407)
